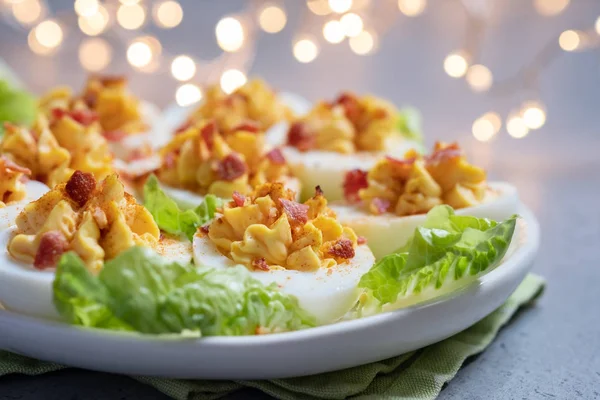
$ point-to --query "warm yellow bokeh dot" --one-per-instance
(319, 7)
(340, 6)
(597, 25)
(49, 34)
(494, 119)
(232, 79)
(86, 8)
(131, 16)
(412, 8)
(188, 94)
(129, 2)
(534, 115)
(352, 24)
(456, 64)
(483, 129)
(94, 24)
(27, 12)
(479, 77)
(230, 34)
(550, 7)
(333, 31)
(36, 47)
(272, 19)
(168, 14)
(363, 43)
(94, 54)
(139, 54)
(305, 50)
(515, 125)
(183, 68)
(569, 40)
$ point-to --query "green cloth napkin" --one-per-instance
(418, 375)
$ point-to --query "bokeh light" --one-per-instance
(550, 7)
(363, 43)
(412, 8)
(27, 12)
(167, 14)
(352, 24)
(272, 19)
(86, 8)
(188, 94)
(597, 26)
(569, 40)
(36, 47)
(456, 64)
(139, 54)
(183, 68)
(230, 34)
(49, 34)
(131, 17)
(534, 114)
(305, 50)
(333, 32)
(94, 24)
(479, 77)
(232, 79)
(483, 130)
(515, 126)
(94, 54)
(340, 6)
(319, 7)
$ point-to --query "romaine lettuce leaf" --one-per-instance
(409, 124)
(16, 106)
(170, 218)
(448, 251)
(147, 293)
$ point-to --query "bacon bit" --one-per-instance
(208, 134)
(183, 127)
(276, 157)
(13, 166)
(248, 125)
(446, 153)
(52, 245)
(351, 106)
(80, 187)
(231, 167)
(84, 117)
(354, 181)
(380, 205)
(205, 229)
(169, 160)
(114, 136)
(238, 198)
(401, 162)
(297, 212)
(260, 264)
(139, 154)
(100, 217)
(342, 248)
(300, 137)
(318, 191)
(112, 80)
(380, 113)
(361, 240)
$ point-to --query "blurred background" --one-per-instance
(480, 71)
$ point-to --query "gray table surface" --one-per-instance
(550, 351)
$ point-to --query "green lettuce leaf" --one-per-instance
(170, 218)
(447, 252)
(409, 124)
(142, 291)
(16, 106)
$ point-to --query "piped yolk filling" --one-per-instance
(12, 177)
(269, 230)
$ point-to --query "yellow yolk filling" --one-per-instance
(108, 223)
(11, 185)
(415, 185)
(262, 233)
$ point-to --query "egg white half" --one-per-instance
(34, 190)
(328, 294)
(387, 232)
(328, 169)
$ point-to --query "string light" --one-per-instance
(272, 19)
(94, 24)
(340, 6)
(333, 31)
(412, 8)
(230, 34)
(27, 12)
(305, 50)
(232, 79)
(352, 24)
(597, 26)
(131, 16)
(479, 77)
(534, 115)
(36, 47)
(456, 64)
(129, 2)
(94, 54)
(569, 40)
(139, 54)
(483, 130)
(167, 14)
(183, 68)
(188, 94)
(319, 7)
(550, 7)
(86, 8)
(49, 34)
(494, 119)
(363, 43)
(515, 125)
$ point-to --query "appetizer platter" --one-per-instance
(254, 227)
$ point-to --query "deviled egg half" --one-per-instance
(203, 160)
(96, 220)
(386, 203)
(300, 247)
(350, 132)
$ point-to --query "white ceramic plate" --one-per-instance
(306, 352)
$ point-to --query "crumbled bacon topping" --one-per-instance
(400, 161)
(114, 136)
(380, 205)
(84, 117)
(260, 264)
(80, 187)
(183, 127)
(361, 240)
(444, 153)
(248, 125)
(13, 166)
(343, 248)
(205, 229)
(354, 181)
(52, 246)
(208, 134)
(296, 212)
(238, 198)
(170, 159)
(318, 191)
(231, 167)
(100, 217)
(351, 106)
(300, 137)
(276, 157)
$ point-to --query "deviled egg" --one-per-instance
(95, 220)
(348, 133)
(301, 248)
(386, 203)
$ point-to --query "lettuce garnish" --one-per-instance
(170, 218)
(16, 106)
(144, 292)
(408, 123)
(447, 252)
